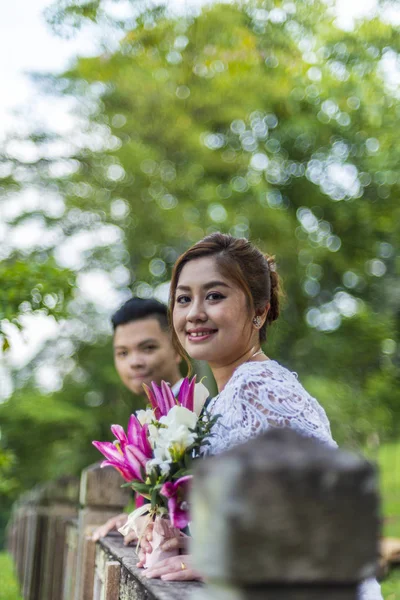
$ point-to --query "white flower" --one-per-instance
(179, 415)
(153, 435)
(201, 394)
(145, 417)
(165, 467)
(175, 434)
(162, 458)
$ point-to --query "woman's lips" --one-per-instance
(201, 335)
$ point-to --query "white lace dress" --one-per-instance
(265, 394)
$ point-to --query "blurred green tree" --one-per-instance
(262, 119)
(9, 485)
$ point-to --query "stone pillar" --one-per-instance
(101, 497)
(284, 517)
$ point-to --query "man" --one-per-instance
(143, 353)
(143, 350)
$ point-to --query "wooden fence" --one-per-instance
(280, 517)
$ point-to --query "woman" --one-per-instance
(224, 295)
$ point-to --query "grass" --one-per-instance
(391, 586)
(388, 458)
(389, 462)
(8, 584)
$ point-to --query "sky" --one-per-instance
(27, 44)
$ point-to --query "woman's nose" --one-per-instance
(196, 312)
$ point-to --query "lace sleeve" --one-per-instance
(369, 590)
(261, 395)
(277, 399)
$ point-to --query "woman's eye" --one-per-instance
(215, 296)
(183, 299)
(150, 348)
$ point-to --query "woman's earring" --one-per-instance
(257, 322)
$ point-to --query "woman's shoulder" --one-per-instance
(269, 382)
(265, 394)
(263, 371)
(274, 395)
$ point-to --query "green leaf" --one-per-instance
(155, 497)
(188, 461)
(141, 488)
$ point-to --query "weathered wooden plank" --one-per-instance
(88, 563)
(71, 547)
(112, 580)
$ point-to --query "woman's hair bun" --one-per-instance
(274, 310)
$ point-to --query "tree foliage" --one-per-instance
(262, 119)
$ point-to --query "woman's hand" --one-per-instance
(175, 543)
(177, 568)
(132, 536)
(145, 545)
(112, 524)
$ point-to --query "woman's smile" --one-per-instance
(200, 334)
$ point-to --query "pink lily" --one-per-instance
(186, 393)
(162, 399)
(156, 399)
(177, 493)
(130, 453)
(134, 430)
(115, 458)
(144, 442)
(125, 472)
(168, 396)
(136, 457)
(120, 434)
(110, 451)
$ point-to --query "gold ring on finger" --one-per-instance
(183, 566)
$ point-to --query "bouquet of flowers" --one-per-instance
(155, 455)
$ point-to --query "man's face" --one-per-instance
(143, 353)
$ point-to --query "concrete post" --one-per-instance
(284, 517)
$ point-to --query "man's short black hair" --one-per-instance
(136, 309)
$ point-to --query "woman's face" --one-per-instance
(210, 315)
